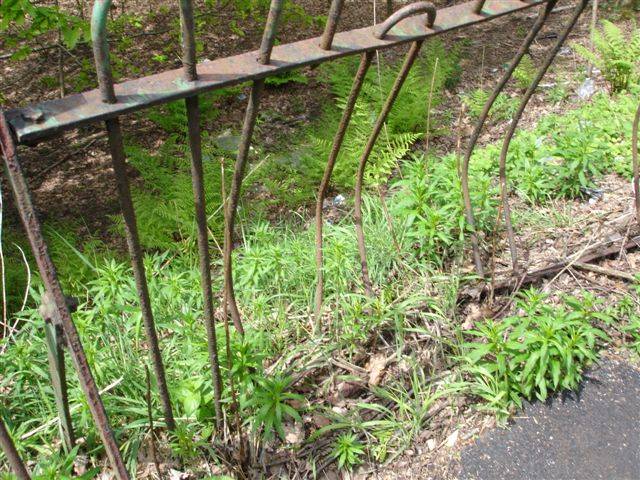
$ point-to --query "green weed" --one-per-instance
(428, 200)
(347, 450)
(532, 355)
(503, 108)
(615, 54)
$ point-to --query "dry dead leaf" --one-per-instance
(293, 433)
(376, 368)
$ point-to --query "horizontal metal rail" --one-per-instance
(53, 117)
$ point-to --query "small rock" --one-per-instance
(452, 439)
(376, 368)
(431, 444)
(565, 52)
(80, 464)
(227, 142)
(178, 475)
(320, 420)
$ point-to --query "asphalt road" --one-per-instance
(588, 435)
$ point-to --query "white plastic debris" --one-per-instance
(587, 89)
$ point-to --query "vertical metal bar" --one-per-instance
(116, 147)
(634, 157)
(55, 352)
(332, 24)
(270, 29)
(188, 40)
(393, 94)
(251, 114)
(477, 8)
(52, 285)
(514, 124)
(197, 180)
(365, 62)
(101, 50)
(464, 177)
(9, 449)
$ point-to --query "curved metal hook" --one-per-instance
(101, 50)
(464, 174)
(516, 120)
(405, 12)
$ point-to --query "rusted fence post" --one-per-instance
(55, 350)
(514, 125)
(264, 57)
(116, 148)
(197, 179)
(52, 285)
(380, 32)
(464, 176)
(13, 457)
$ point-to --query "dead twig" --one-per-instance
(609, 272)
(586, 256)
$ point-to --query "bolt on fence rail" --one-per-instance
(412, 24)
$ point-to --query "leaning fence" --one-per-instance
(413, 25)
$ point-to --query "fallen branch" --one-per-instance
(609, 272)
(596, 253)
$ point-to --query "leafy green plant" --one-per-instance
(503, 108)
(627, 315)
(568, 152)
(270, 403)
(347, 450)
(187, 442)
(524, 73)
(164, 201)
(545, 349)
(558, 93)
(23, 21)
(428, 202)
(615, 54)
(291, 76)
(300, 169)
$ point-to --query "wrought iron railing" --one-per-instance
(413, 24)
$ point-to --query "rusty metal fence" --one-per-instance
(413, 24)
